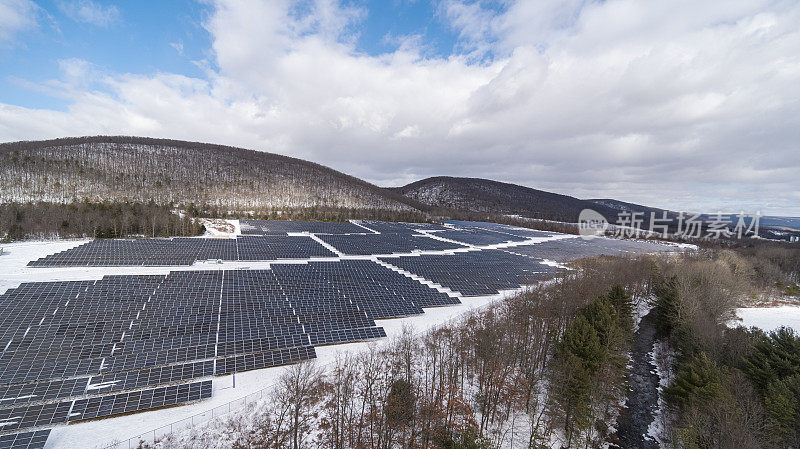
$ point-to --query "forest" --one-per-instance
(136, 169)
(118, 219)
(92, 219)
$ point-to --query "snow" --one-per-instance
(768, 318)
(16, 256)
(641, 307)
(219, 227)
(663, 358)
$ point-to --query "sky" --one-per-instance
(677, 104)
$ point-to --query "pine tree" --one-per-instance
(696, 383)
(773, 358)
(581, 340)
(780, 404)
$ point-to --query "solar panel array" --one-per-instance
(24, 440)
(282, 227)
(576, 248)
(184, 251)
(399, 227)
(476, 273)
(482, 237)
(500, 228)
(386, 243)
(80, 350)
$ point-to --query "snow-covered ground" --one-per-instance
(663, 358)
(15, 257)
(220, 227)
(768, 318)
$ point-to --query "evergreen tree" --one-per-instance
(582, 341)
(780, 404)
(775, 357)
(696, 383)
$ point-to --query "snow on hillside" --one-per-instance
(140, 170)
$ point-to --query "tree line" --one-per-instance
(733, 387)
(134, 169)
(88, 219)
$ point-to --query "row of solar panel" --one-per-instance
(59, 389)
(48, 414)
(184, 251)
(25, 440)
(386, 243)
(282, 227)
(172, 336)
(475, 273)
(269, 244)
(564, 250)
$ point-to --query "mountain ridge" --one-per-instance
(484, 195)
(125, 168)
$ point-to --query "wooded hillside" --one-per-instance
(136, 169)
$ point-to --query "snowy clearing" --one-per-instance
(768, 318)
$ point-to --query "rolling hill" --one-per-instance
(137, 169)
(169, 173)
(483, 195)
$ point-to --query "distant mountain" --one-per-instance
(785, 223)
(483, 195)
(138, 169)
(172, 172)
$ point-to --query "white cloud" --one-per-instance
(87, 11)
(16, 16)
(178, 46)
(680, 104)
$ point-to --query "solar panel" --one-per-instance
(24, 440)
(576, 248)
(476, 273)
(80, 350)
(117, 404)
(386, 243)
(184, 251)
(282, 227)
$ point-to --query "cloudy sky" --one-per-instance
(681, 104)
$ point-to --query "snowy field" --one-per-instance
(769, 318)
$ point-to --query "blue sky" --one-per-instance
(678, 104)
(137, 39)
(146, 37)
